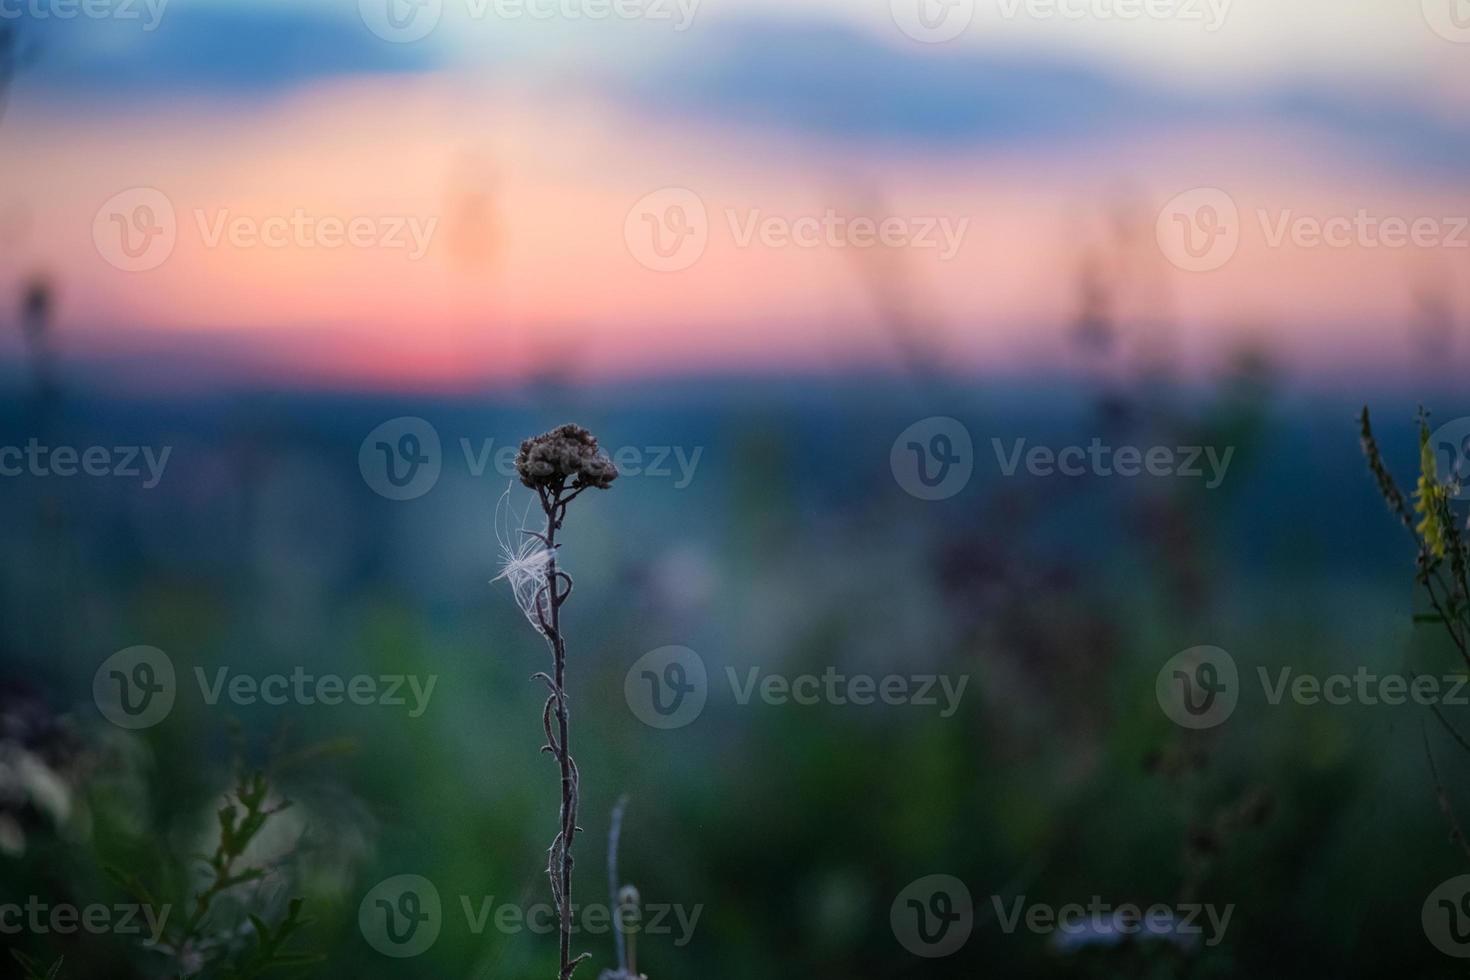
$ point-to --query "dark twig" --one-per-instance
(1456, 833)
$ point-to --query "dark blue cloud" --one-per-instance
(822, 80)
(833, 82)
(234, 49)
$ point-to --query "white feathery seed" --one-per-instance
(523, 559)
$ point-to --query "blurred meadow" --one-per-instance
(284, 286)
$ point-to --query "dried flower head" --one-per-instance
(566, 456)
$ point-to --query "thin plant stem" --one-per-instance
(559, 867)
(614, 838)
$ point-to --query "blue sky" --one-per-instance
(812, 69)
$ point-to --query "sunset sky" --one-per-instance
(701, 188)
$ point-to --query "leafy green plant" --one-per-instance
(1441, 565)
(204, 946)
(1442, 560)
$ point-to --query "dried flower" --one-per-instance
(566, 456)
(558, 465)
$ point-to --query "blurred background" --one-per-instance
(304, 274)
